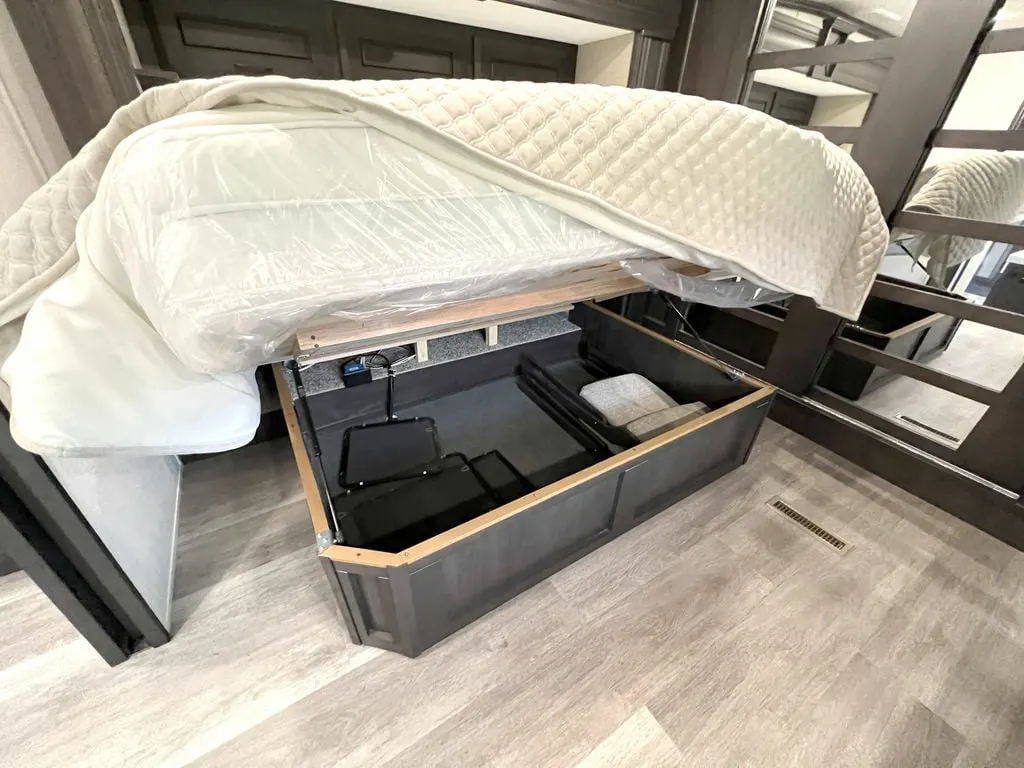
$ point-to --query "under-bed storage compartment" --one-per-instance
(526, 487)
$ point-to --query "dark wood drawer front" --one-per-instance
(379, 45)
(206, 38)
(479, 573)
(499, 56)
(234, 36)
(676, 470)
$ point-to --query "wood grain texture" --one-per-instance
(731, 638)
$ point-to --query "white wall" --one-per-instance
(605, 62)
(991, 95)
(132, 503)
(840, 110)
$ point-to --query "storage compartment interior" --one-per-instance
(884, 316)
(499, 436)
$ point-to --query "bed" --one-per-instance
(213, 221)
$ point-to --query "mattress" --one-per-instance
(210, 219)
(236, 227)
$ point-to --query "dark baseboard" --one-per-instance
(972, 500)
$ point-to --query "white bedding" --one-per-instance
(237, 226)
(213, 239)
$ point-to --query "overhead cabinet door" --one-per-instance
(379, 45)
(498, 56)
(207, 38)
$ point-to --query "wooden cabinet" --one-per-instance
(500, 56)
(330, 40)
(380, 45)
(208, 38)
(792, 107)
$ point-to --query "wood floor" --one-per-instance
(978, 353)
(718, 634)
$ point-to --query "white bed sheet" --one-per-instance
(236, 227)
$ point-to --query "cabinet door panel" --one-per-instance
(499, 56)
(208, 38)
(380, 45)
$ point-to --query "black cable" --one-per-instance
(726, 369)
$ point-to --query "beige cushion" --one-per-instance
(655, 423)
(622, 399)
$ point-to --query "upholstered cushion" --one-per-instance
(654, 424)
(622, 399)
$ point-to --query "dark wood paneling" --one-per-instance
(827, 54)
(972, 500)
(207, 38)
(992, 449)
(139, 17)
(498, 56)
(381, 45)
(934, 301)
(82, 62)
(7, 564)
(722, 34)
(800, 349)
(792, 107)
(902, 365)
(647, 65)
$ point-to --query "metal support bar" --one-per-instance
(42, 560)
(951, 225)
(762, 319)
(1003, 41)
(826, 54)
(900, 431)
(935, 302)
(1000, 140)
(58, 515)
(976, 392)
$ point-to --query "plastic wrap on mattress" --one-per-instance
(235, 228)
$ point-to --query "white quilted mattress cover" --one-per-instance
(677, 175)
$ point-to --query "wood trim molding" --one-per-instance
(826, 54)
(945, 381)
(1000, 140)
(952, 225)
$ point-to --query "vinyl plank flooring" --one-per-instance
(29, 623)
(254, 645)
(377, 711)
(719, 633)
(640, 741)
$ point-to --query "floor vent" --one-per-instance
(833, 541)
(933, 430)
